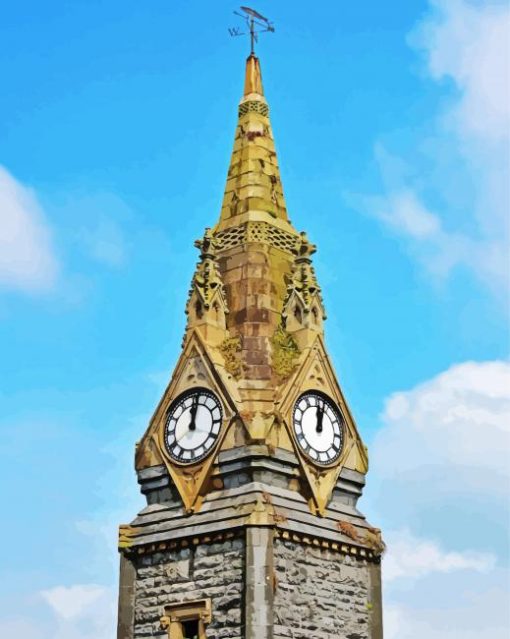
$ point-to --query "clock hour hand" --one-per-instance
(193, 413)
(320, 418)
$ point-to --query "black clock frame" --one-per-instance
(179, 400)
(301, 440)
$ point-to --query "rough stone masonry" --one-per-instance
(214, 571)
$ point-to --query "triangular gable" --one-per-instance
(315, 372)
(198, 366)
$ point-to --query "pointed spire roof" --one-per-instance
(254, 189)
(253, 77)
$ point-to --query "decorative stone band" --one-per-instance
(345, 549)
(353, 550)
(185, 542)
(253, 106)
(258, 232)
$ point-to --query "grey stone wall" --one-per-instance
(320, 594)
(209, 570)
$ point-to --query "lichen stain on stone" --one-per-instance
(230, 348)
(285, 352)
(373, 539)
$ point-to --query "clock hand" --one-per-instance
(320, 418)
(193, 413)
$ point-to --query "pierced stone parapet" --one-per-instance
(232, 237)
(261, 232)
(253, 106)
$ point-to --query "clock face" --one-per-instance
(318, 425)
(192, 425)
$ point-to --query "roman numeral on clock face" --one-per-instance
(193, 425)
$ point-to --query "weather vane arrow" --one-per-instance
(256, 24)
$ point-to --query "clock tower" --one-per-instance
(252, 464)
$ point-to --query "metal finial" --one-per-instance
(256, 24)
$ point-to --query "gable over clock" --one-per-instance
(252, 463)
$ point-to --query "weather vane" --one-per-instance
(256, 24)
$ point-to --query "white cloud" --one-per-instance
(457, 423)
(449, 202)
(458, 613)
(27, 259)
(409, 557)
(438, 486)
(470, 44)
(73, 601)
(82, 611)
(439, 252)
(407, 214)
(87, 610)
(441, 463)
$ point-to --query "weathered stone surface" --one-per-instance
(320, 594)
(261, 588)
(212, 571)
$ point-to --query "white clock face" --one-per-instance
(193, 425)
(318, 426)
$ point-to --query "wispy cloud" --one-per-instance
(459, 610)
(98, 223)
(71, 602)
(27, 257)
(77, 611)
(456, 423)
(468, 43)
(411, 557)
(105, 243)
(86, 609)
(449, 201)
(82, 611)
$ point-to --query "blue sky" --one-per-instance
(116, 126)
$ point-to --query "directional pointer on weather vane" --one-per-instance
(255, 22)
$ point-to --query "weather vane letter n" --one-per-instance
(255, 23)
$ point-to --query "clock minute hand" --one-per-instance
(193, 413)
(320, 418)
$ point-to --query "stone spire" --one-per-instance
(254, 188)
(253, 77)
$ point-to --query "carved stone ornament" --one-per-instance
(207, 282)
(303, 305)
